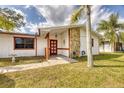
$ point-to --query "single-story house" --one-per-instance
(106, 46)
(67, 40)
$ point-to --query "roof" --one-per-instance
(50, 28)
(47, 29)
(13, 33)
(64, 26)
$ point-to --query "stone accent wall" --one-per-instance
(74, 42)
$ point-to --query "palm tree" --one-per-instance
(111, 28)
(86, 9)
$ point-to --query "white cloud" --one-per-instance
(121, 20)
(60, 15)
(98, 13)
(20, 30)
(30, 26)
(27, 6)
(56, 15)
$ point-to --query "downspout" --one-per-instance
(37, 34)
(69, 42)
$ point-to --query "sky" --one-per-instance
(53, 15)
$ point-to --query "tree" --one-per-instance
(85, 9)
(5, 24)
(9, 19)
(110, 28)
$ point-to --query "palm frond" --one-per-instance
(113, 19)
(120, 25)
(76, 14)
(102, 26)
(110, 28)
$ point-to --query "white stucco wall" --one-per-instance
(65, 43)
(106, 47)
(83, 46)
(7, 46)
(41, 45)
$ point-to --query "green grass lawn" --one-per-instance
(20, 60)
(107, 72)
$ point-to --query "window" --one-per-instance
(92, 42)
(24, 43)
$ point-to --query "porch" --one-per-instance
(57, 43)
(62, 40)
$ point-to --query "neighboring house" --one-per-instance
(106, 46)
(65, 40)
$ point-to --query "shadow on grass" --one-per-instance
(117, 60)
(6, 82)
(101, 57)
(109, 66)
(24, 58)
(107, 56)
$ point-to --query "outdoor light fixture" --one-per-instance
(64, 42)
(56, 35)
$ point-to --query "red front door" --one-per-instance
(53, 47)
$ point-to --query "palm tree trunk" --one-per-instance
(117, 43)
(113, 47)
(88, 31)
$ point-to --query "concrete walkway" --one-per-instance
(55, 60)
